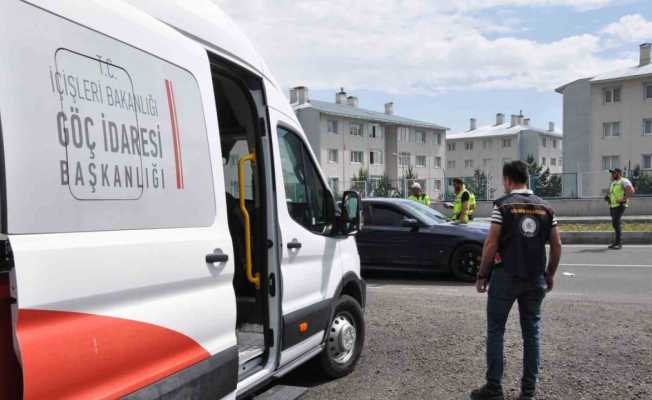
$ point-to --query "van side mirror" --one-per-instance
(350, 217)
(411, 223)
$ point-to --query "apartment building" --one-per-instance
(487, 148)
(608, 124)
(347, 138)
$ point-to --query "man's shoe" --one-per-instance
(616, 246)
(523, 396)
(487, 393)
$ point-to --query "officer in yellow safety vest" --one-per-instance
(464, 205)
(418, 195)
(620, 190)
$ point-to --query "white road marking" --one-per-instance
(607, 265)
(604, 246)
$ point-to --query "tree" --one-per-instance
(409, 173)
(477, 184)
(362, 175)
(383, 188)
(359, 181)
(542, 182)
(642, 182)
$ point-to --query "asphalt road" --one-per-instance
(425, 335)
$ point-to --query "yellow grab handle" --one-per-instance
(255, 279)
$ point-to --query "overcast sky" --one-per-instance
(445, 61)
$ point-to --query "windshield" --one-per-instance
(424, 213)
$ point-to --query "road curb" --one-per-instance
(605, 237)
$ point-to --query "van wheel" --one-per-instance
(344, 339)
(465, 263)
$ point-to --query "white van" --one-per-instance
(166, 231)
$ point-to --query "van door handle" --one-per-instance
(216, 258)
(294, 245)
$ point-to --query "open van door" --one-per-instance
(114, 206)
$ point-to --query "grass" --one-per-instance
(627, 227)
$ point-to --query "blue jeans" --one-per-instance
(504, 289)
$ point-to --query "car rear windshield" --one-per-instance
(424, 213)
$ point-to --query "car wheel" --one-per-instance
(466, 262)
(344, 339)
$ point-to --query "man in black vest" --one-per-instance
(513, 266)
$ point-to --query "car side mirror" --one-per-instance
(350, 217)
(411, 223)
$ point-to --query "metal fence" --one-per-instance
(568, 185)
(385, 187)
(596, 183)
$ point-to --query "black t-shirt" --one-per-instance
(465, 197)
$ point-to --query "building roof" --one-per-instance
(628, 73)
(345, 110)
(499, 130)
(636, 72)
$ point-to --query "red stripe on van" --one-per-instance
(174, 123)
(68, 355)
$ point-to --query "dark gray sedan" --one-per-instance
(400, 234)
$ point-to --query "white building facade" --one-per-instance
(608, 124)
(347, 139)
(488, 148)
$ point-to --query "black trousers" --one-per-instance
(617, 222)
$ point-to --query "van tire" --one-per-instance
(465, 263)
(335, 363)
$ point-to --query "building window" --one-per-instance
(355, 129)
(376, 132)
(420, 137)
(507, 142)
(357, 157)
(468, 163)
(553, 162)
(486, 162)
(610, 162)
(420, 161)
(332, 126)
(437, 162)
(486, 144)
(647, 91)
(403, 135)
(438, 138)
(468, 146)
(647, 161)
(543, 161)
(376, 157)
(451, 164)
(404, 159)
(560, 162)
(451, 146)
(334, 183)
(611, 129)
(647, 127)
(333, 155)
(554, 143)
(437, 184)
(611, 95)
(544, 141)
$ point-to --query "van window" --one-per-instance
(306, 195)
(100, 135)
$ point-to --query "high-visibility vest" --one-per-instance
(457, 207)
(423, 199)
(617, 193)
